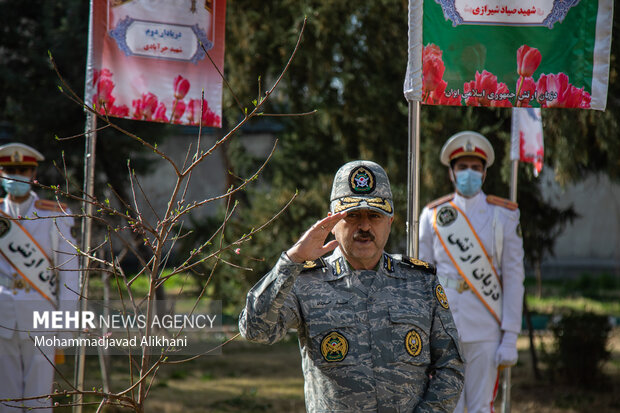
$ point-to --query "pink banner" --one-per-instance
(147, 60)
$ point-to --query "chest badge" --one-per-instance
(441, 297)
(413, 343)
(446, 216)
(334, 347)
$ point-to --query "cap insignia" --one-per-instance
(469, 147)
(334, 347)
(361, 181)
(413, 343)
(16, 157)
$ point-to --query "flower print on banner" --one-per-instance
(103, 99)
(207, 117)
(484, 90)
(528, 60)
(526, 91)
(150, 108)
(433, 85)
(160, 113)
(555, 91)
(432, 67)
(181, 87)
(145, 107)
(550, 91)
(178, 111)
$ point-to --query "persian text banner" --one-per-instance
(510, 53)
(147, 61)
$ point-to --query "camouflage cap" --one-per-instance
(361, 185)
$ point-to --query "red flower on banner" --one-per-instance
(145, 107)
(104, 89)
(208, 117)
(432, 68)
(486, 91)
(433, 85)
(160, 113)
(528, 60)
(526, 91)
(103, 100)
(440, 97)
(555, 91)
(181, 87)
(120, 111)
(194, 104)
(178, 110)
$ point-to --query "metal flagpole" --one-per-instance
(412, 89)
(413, 179)
(505, 407)
(90, 135)
(88, 189)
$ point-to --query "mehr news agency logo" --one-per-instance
(118, 331)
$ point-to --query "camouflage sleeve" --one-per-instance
(447, 372)
(271, 307)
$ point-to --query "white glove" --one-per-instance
(506, 354)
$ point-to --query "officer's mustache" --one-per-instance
(362, 235)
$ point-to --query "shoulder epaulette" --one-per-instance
(314, 265)
(48, 205)
(440, 201)
(503, 202)
(418, 264)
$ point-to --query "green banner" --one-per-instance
(515, 53)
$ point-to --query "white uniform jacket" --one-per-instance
(17, 304)
(499, 231)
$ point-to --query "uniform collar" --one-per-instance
(468, 203)
(339, 267)
(23, 209)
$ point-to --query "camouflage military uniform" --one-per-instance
(371, 341)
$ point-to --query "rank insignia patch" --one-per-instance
(338, 267)
(446, 216)
(361, 181)
(388, 264)
(413, 343)
(334, 347)
(441, 297)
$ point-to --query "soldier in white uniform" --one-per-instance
(475, 242)
(38, 270)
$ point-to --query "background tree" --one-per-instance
(350, 68)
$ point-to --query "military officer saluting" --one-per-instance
(474, 240)
(38, 271)
(375, 330)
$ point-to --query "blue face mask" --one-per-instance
(15, 188)
(468, 182)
